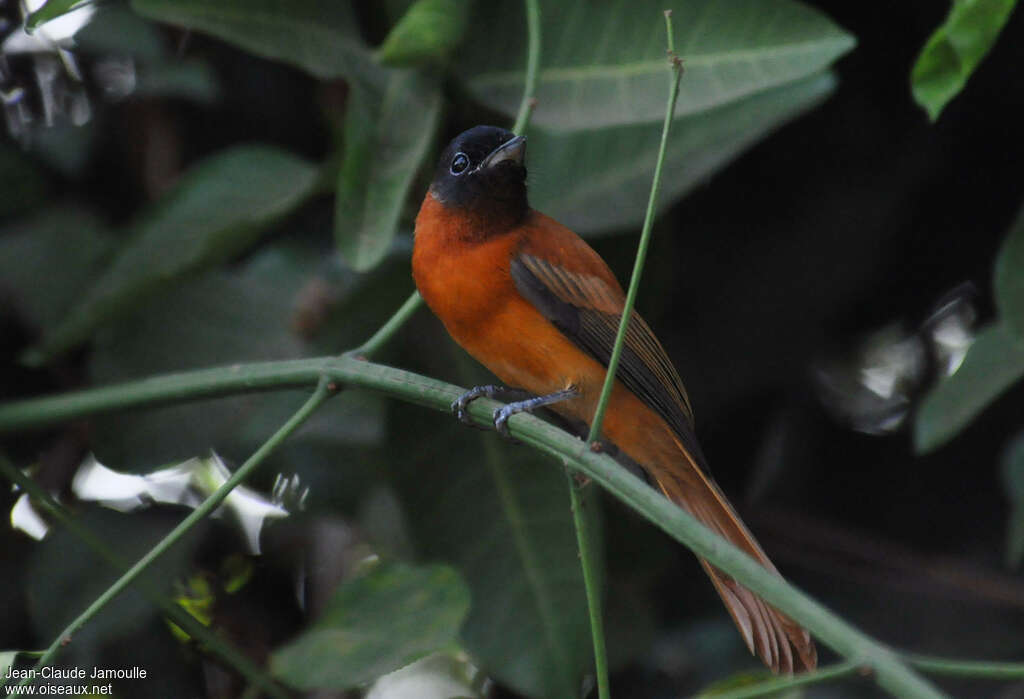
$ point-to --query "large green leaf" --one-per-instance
(219, 209)
(22, 182)
(47, 259)
(604, 63)
(426, 33)
(1009, 278)
(374, 624)
(955, 50)
(389, 126)
(993, 363)
(598, 181)
(247, 313)
(319, 36)
(501, 515)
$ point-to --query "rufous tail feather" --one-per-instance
(781, 643)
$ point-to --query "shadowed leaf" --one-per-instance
(500, 514)
(427, 33)
(319, 37)
(598, 181)
(1009, 278)
(1013, 484)
(389, 126)
(993, 363)
(374, 624)
(217, 210)
(604, 62)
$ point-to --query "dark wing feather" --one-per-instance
(586, 309)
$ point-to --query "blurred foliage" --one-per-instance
(376, 623)
(955, 49)
(245, 189)
(994, 362)
(427, 32)
(1013, 480)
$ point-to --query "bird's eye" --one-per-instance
(459, 163)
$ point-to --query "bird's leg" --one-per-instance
(461, 404)
(502, 414)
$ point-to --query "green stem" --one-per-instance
(645, 237)
(380, 338)
(529, 100)
(967, 668)
(322, 392)
(833, 631)
(160, 390)
(777, 685)
(578, 500)
(205, 636)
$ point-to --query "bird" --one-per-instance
(535, 304)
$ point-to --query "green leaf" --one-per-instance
(319, 37)
(604, 64)
(218, 210)
(247, 312)
(48, 259)
(955, 49)
(375, 624)
(598, 181)
(993, 363)
(389, 126)
(501, 516)
(1009, 278)
(22, 182)
(51, 10)
(1013, 483)
(427, 33)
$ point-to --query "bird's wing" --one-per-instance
(587, 310)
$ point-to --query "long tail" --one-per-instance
(781, 643)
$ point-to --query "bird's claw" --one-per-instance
(460, 406)
(501, 416)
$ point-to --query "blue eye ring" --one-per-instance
(459, 163)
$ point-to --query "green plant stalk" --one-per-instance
(207, 637)
(645, 237)
(578, 502)
(776, 685)
(323, 391)
(833, 631)
(576, 497)
(529, 100)
(393, 324)
(967, 668)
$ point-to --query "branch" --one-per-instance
(890, 672)
(645, 237)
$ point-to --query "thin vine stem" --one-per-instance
(323, 391)
(967, 668)
(578, 496)
(645, 236)
(777, 685)
(529, 100)
(206, 637)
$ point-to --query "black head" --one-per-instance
(481, 171)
